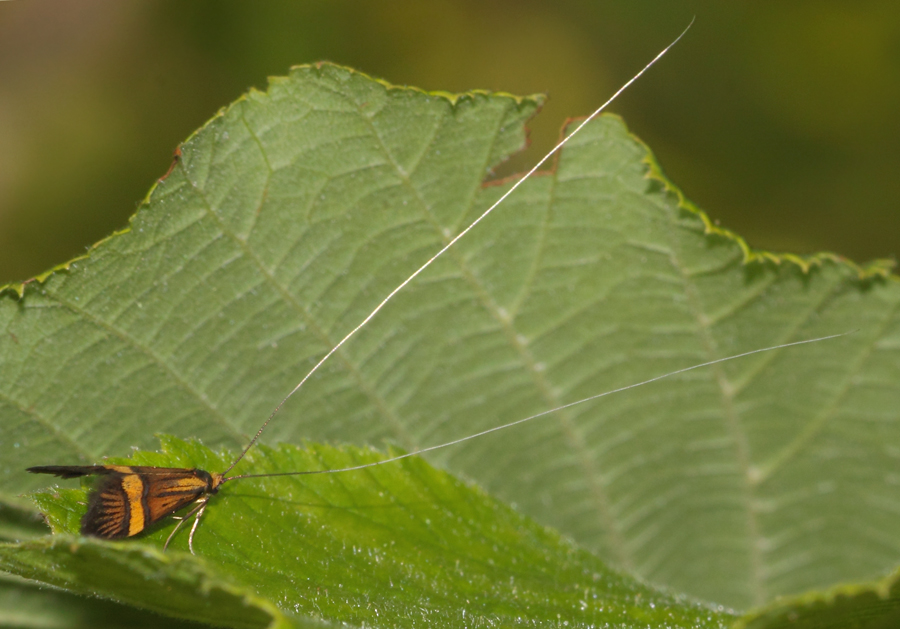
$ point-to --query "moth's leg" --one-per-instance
(197, 507)
(201, 508)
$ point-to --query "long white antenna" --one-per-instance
(453, 242)
(543, 413)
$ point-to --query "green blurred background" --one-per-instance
(778, 118)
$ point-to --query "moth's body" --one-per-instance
(129, 498)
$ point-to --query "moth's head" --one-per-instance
(213, 481)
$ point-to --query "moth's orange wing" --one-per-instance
(128, 499)
(168, 490)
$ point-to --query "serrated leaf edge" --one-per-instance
(208, 580)
(782, 606)
(19, 288)
(882, 268)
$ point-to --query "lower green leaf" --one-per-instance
(396, 545)
(25, 604)
(139, 575)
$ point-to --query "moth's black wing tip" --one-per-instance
(68, 471)
(107, 514)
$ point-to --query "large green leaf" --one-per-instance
(292, 213)
(399, 545)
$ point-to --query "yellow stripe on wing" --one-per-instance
(134, 490)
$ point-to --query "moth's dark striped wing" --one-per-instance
(169, 492)
(128, 499)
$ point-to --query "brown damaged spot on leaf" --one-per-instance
(176, 158)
